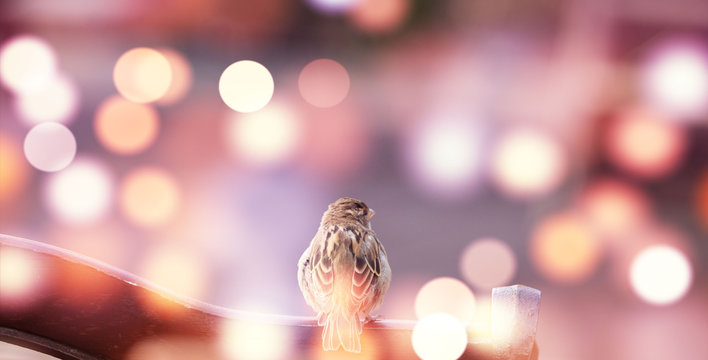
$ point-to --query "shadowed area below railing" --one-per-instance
(79, 308)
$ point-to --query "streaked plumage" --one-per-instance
(344, 273)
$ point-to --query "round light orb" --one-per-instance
(27, 64)
(20, 274)
(527, 164)
(124, 127)
(379, 16)
(142, 75)
(674, 77)
(265, 138)
(181, 77)
(613, 207)
(246, 86)
(486, 263)
(439, 336)
(81, 193)
(57, 101)
(661, 275)
(149, 196)
(323, 83)
(177, 270)
(448, 295)
(50, 147)
(565, 249)
(631, 133)
(243, 339)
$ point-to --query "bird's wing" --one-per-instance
(367, 266)
(321, 265)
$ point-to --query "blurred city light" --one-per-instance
(27, 63)
(125, 127)
(439, 336)
(81, 193)
(447, 295)
(50, 147)
(661, 275)
(323, 83)
(246, 86)
(486, 263)
(565, 249)
(149, 196)
(142, 75)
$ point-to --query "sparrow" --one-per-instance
(344, 273)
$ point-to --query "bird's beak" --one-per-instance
(371, 213)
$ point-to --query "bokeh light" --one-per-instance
(181, 77)
(333, 6)
(445, 157)
(243, 339)
(50, 147)
(527, 163)
(20, 275)
(488, 262)
(124, 127)
(447, 295)
(323, 83)
(379, 16)
(142, 75)
(14, 171)
(178, 270)
(613, 207)
(661, 275)
(27, 63)
(439, 336)
(565, 249)
(81, 193)
(173, 347)
(265, 138)
(246, 86)
(149, 196)
(56, 101)
(645, 144)
(674, 77)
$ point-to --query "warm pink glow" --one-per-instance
(50, 147)
(613, 207)
(380, 16)
(486, 263)
(446, 295)
(142, 75)
(14, 170)
(56, 101)
(124, 127)
(181, 77)
(149, 196)
(439, 336)
(324, 83)
(20, 275)
(27, 64)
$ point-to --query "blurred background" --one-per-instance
(557, 144)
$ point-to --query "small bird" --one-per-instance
(344, 273)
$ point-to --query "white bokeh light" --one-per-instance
(334, 6)
(50, 147)
(27, 63)
(243, 339)
(675, 78)
(439, 336)
(446, 156)
(661, 274)
(265, 138)
(527, 163)
(57, 101)
(246, 86)
(81, 193)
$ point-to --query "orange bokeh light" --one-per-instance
(14, 170)
(124, 127)
(379, 16)
(142, 75)
(149, 196)
(565, 249)
(447, 295)
(613, 207)
(181, 77)
(21, 274)
(631, 133)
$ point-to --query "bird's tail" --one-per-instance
(343, 328)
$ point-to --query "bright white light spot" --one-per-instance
(527, 164)
(81, 193)
(246, 86)
(57, 101)
(487, 263)
(661, 275)
(50, 147)
(439, 336)
(20, 273)
(242, 339)
(333, 6)
(27, 63)
(446, 156)
(267, 137)
(446, 295)
(142, 75)
(149, 196)
(324, 83)
(675, 78)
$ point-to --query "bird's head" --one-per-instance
(347, 208)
